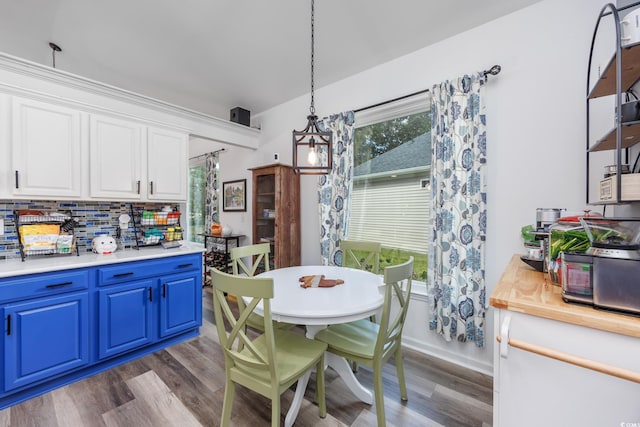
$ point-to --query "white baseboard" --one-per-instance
(449, 356)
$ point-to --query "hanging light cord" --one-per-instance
(312, 108)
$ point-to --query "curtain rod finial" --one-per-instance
(494, 71)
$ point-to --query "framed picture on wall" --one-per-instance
(234, 196)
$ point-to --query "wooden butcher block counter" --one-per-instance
(560, 364)
(525, 290)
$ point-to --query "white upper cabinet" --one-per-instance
(116, 150)
(130, 161)
(167, 159)
(45, 150)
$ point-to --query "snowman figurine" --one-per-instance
(103, 244)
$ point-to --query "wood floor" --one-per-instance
(183, 385)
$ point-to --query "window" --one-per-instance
(196, 202)
(391, 183)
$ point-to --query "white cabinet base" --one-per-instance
(534, 390)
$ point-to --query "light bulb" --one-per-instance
(312, 157)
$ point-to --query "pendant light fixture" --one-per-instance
(312, 152)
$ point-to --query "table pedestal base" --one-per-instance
(296, 403)
(341, 366)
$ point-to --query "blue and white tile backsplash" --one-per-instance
(94, 218)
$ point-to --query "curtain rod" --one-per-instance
(206, 154)
(495, 70)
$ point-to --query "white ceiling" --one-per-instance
(213, 55)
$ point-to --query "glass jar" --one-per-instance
(177, 235)
(565, 236)
(148, 218)
(170, 234)
(162, 218)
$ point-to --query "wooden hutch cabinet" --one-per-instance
(276, 212)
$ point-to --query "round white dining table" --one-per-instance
(359, 297)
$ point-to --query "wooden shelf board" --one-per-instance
(630, 137)
(606, 84)
(614, 202)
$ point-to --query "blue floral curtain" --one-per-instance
(457, 289)
(334, 189)
(211, 197)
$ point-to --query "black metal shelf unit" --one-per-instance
(45, 233)
(151, 228)
(620, 74)
(217, 257)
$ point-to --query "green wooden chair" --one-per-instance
(362, 255)
(270, 363)
(372, 344)
(258, 253)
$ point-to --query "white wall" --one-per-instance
(234, 161)
(535, 132)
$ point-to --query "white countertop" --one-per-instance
(45, 264)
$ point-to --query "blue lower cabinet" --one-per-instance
(63, 326)
(125, 317)
(180, 303)
(45, 337)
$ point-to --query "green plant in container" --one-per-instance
(567, 241)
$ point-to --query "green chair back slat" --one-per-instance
(362, 255)
(258, 253)
(261, 253)
(390, 331)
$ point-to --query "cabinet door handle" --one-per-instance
(58, 285)
(150, 294)
(185, 265)
(8, 325)
(138, 186)
(164, 290)
(151, 187)
(17, 181)
(124, 274)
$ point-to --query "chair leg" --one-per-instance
(378, 392)
(229, 393)
(275, 409)
(400, 372)
(320, 390)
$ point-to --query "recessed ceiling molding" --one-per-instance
(44, 73)
(21, 91)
